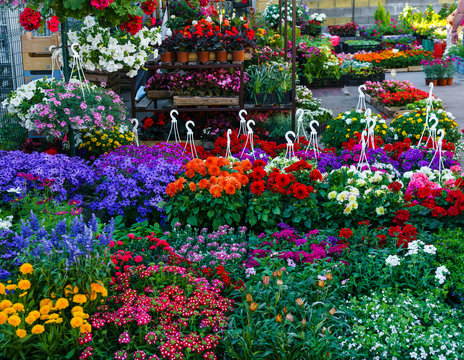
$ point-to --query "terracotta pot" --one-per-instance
(238, 55)
(182, 56)
(167, 57)
(449, 81)
(428, 81)
(221, 56)
(442, 82)
(203, 56)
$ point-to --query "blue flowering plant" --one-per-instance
(74, 252)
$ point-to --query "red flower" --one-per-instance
(30, 19)
(299, 191)
(282, 180)
(257, 187)
(316, 175)
(401, 216)
(138, 259)
(53, 24)
(148, 123)
(101, 4)
(258, 173)
(438, 211)
(132, 26)
(395, 186)
(204, 3)
(148, 7)
(345, 233)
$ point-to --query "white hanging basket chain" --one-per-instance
(174, 128)
(190, 141)
(290, 152)
(249, 139)
(428, 107)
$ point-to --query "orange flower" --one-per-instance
(230, 189)
(226, 22)
(171, 189)
(225, 173)
(190, 173)
(222, 182)
(246, 164)
(193, 186)
(214, 171)
(211, 162)
(202, 170)
(244, 180)
(203, 184)
(215, 190)
(238, 168)
(223, 162)
(213, 180)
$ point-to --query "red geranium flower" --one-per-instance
(53, 24)
(346, 233)
(30, 19)
(148, 7)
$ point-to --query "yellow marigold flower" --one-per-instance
(69, 290)
(45, 310)
(14, 320)
(53, 316)
(30, 319)
(26, 269)
(94, 140)
(98, 144)
(81, 314)
(5, 304)
(23, 294)
(76, 322)
(44, 317)
(85, 328)
(99, 288)
(24, 284)
(50, 321)
(2, 289)
(77, 308)
(59, 320)
(80, 299)
(3, 317)
(38, 329)
(34, 314)
(11, 287)
(10, 310)
(44, 302)
(21, 333)
(61, 303)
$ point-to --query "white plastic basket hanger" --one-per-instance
(300, 130)
(228, 153)
(243, 128)
(441, 165)
(78, 66)
(135, 130)
(53, 49)
(290, 152)
(428, 108)
(371, 122)
(190, 141)
(362, 99)
(363, 156)
(313, 142)
(174, 128)
(249, 139)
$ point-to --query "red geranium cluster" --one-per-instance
(30, 19)
(53, 24)
(440, 202)
(285, 184)
(403, 98)
(101, 4)
(403, 235)
(148, 7)
(132, 26)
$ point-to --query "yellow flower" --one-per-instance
(38, 329)
(2, 289)
(90, 148)
(417, 137)
(99, 288)
(53, 316)
(94, 140)
(76, 309)
(61, 303)
(79, 299)
(5, 304)
(26, 269)
(11, 287)
(328, 126)
(347, 136)
(34, 314)
(85, 328)
(44, 317)
(3, 317)
(24, 284)
(98, 144)
(59, 320)
(50, 321)
(44, 302)
(45, 310)
(76, 322)
(80, 314)
(14, 320)
(21, 333)
(69, 290)
(10, 310)
(110, 140)
(30, 319)
(18, 307)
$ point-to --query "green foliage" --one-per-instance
(382, 15)
(285, 315)
(12, 134)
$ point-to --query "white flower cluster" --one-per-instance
(113, 51)
(393, 260)
(24, 93)
(414, 247)
(318, 17)
(280, 163)
(440, 274)
(433, 175)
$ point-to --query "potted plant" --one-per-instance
(166, 51)
(430, 71)
(450, 69)
(182, 44)
(218, 45)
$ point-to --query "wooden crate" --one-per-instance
(414, 68)
(205, 101)
(97, 77)
(37, 58)
(158, 94)
(393, 111)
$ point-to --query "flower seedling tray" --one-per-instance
(159, 94)
(205, 101)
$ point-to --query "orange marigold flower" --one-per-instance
(230, 189)
(246, 164)
(203, 184)
(225, 173)
(214, 171)
(171, 189)
(211, 162)
(215, 190)
(238, 167)
(192, 186)
(223, 162)
(244, 180)
(190, 173)
(213, 180)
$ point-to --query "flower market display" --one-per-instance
(339, 241)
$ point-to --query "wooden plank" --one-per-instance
(391, 111)
(158, 94)
(398, 70)
(204, 101)
(414, 68)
